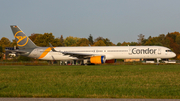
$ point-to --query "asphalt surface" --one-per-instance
(81, 99)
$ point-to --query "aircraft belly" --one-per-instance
(138, 56)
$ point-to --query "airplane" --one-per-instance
(92, 54)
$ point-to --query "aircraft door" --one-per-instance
(34, 52)
(159, 51)
(130, 51)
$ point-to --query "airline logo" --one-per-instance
(143, 51)
(21, 39)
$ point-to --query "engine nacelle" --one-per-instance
(111, 61)
(97, 59)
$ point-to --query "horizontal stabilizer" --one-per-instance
(15, 51)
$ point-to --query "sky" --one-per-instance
(117, 20)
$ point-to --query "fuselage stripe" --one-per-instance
(45, 53)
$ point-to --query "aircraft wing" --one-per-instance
(80, 55)
(75, 54)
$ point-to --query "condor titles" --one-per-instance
(144, 51)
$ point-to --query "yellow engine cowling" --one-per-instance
(97, 59)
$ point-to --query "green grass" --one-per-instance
(115, 81)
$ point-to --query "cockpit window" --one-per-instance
(168, 50)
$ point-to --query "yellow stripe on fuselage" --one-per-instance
(45, 53)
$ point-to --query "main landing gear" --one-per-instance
(158, 59)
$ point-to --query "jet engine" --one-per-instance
(97, 59)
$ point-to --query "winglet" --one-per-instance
(52, 48)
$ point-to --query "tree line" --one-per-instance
(170, 40)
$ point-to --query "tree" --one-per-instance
(43, 40)
(153, 41)
(5, 42)
(71, 41)
(99, 43)
(56, 42)
(99, 38)
(172, 38)
(178, 56)
(133, 44)
(82, 42)
(108, 42)
(33, 36)
(14, 43)
(178, 39)
(149, 37)
(90, 39)
(1, 50)
(173, 35)
(163, 40)
(62, 40)
(125, 43)
(118, 44)
(141, 38)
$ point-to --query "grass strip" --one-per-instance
(114, 81)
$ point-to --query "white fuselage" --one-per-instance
(110, 52)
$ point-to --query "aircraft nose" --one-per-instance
(174, 54)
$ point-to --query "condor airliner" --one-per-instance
(94, 54)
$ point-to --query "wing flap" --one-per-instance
(80, 55)
(75, 54)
